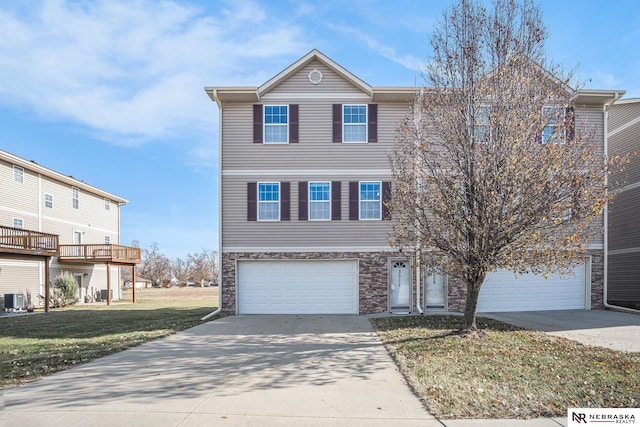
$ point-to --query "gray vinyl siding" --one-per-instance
(624, 220)
(625, 141)
(623, 286)
(331, 83)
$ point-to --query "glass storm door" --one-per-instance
(435, 292)
(400, 287)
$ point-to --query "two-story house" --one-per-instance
(304, 177)
(50, 222)
(623, 256)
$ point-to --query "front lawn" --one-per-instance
(39, 344)
(510, 373)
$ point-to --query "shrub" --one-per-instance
(64, 291)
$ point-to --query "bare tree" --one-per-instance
(204, 266)
(492, 170)
(155, 265)
(181, 268)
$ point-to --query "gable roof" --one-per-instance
(255, 93)
(31, 165)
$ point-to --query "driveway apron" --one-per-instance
(239, 370)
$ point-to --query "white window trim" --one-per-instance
(265, 124)
(309, 201)
(561, 136)
(13, 223)
(268, 201)
(366, 123)
(45, 200)
(107, 204)
(79, 233)
(75, 198)
(360, 201)
(20, 174)
(107, 240)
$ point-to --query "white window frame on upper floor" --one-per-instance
(75, 198)
(351, 125)
(283, 128)
(555, 133)
(107, 204)
(17, 222)
(313, 213)
(18, 174)
(48, 200)
(261, 215)
(362, 200)
(107, 240)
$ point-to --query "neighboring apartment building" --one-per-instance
(50, 223)
(623, 268)
(304, 177)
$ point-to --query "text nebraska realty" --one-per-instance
(604, 418)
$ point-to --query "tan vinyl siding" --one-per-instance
(238, 232)
(299, 83)
(21, 276)
(15, 201)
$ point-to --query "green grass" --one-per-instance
(35, 345)
(510, 373)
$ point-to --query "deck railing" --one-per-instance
(19, 240)
(100, 253)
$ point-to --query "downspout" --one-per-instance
(606, 213)
(219, 309)
(418, 277)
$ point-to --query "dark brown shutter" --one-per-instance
(571, 125)
(337, 122)
(303, 201)
(354, 201)
(372, 126)
(285, 201)
(293, 124)
(252, 201)
(336, 196)
(386, 199)
(257, 123)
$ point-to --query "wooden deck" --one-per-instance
(27, 242)
(97, 254)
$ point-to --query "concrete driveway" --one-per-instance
(611, 329)
(240, 370)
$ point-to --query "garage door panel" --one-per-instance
(503, 291)
(298, 287)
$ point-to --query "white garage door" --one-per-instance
(298, 287)
(502, 291)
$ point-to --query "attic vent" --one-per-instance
(315, 76)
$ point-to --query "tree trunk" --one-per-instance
(473, 290)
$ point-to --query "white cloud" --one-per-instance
(132, 71)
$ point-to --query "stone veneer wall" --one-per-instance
(373, 275)
(457, 291)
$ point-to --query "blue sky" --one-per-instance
(111, 91)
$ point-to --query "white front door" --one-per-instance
(435, 290)
(400, 286)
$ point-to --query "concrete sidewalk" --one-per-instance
(237, 371)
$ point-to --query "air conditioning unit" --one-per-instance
(14, 301)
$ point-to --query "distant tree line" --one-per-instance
(199, 268)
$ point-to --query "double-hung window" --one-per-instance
(370, 200)
(107, 204)
(75, 197)
(354, 120)
(18, 223)
(554, 118)
(276, 124)
(480, 119)
(268, 201)
(107, 240)
(18, 174)
(48, 200)
(320, 201)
